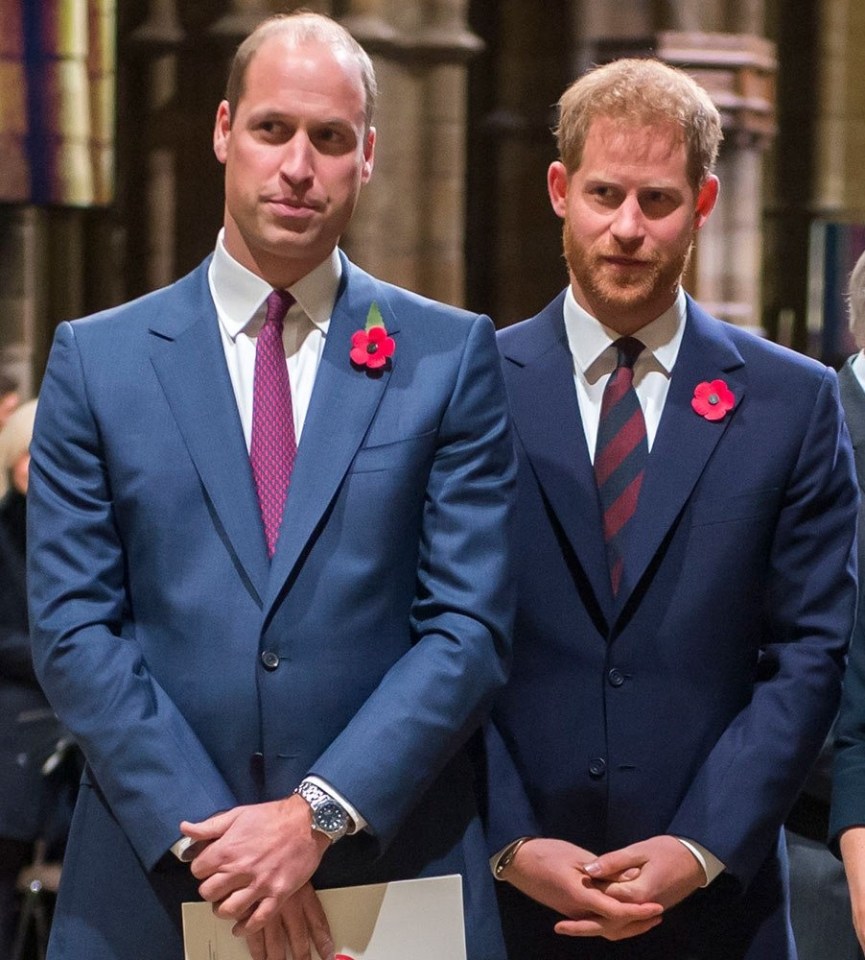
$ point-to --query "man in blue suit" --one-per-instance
(275, 687)
(685, 520)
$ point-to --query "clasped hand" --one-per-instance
(619, 895)
(254, 867)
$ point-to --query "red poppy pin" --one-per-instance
(713, 400)
(372, 347)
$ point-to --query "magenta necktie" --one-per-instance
(273, 447)
(620, 454)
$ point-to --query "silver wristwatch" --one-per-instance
(328, 816)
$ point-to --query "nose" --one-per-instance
(627, 225)
(297, 160)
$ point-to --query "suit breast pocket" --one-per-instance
(745, 506)
(394, 456)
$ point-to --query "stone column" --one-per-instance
(157, 43)
(409, 227)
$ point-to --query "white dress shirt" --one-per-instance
(859, 367)
(591, 346)
(240, 298)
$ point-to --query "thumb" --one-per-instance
(210, 829)
(618, 865)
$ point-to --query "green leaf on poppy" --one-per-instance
(374, 317)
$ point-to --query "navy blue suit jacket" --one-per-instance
(388, 603)
(695, 701)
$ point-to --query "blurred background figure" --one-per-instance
(9, 397)
(34, 804)
(9, 400)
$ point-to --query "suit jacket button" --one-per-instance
(597, 768)
(270, 660)
(616, 677)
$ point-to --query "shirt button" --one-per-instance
(597, 768)
(270, 660)
(616, 677)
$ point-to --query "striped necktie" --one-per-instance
(620, 454)
(273, 446)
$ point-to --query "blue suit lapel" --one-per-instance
(547, 418)
(187, 354)
(684, 441)
(343, 404)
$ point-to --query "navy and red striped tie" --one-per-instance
(620, 454)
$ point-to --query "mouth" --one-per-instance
(289, 207)
(628, 263)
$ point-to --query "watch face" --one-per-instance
(330, 816)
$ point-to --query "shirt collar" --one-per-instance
(239, 294)
(588, 338)
(858, 366)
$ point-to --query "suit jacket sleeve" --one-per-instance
(743, 792)
(848, 781)
(142, 753)
(435, 695)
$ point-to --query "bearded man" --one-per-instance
(686, 514)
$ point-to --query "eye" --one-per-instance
(334, 139)
(271, 131)
(658, 203)
(605, 195)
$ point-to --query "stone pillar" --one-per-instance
(22, 292)
(156, 44)
(409, 227)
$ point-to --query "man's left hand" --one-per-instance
(257, 857)
(668, 872)
(299, 925)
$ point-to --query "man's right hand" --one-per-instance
(549, 871)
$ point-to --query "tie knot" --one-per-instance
(627, 351)
(278, 303)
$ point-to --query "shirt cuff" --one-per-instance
(358, 822)
(185, 849)
(712, 866)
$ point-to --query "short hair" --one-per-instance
(301, 27)
(641, 92)
(856, 302)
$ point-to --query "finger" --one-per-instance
(297, 933)
(257, 946)
(219, 886)
(274, 939)
(631, 892)
(317, 924)
(237, 906)
(609, 908)
(606, 929)
(264, 912)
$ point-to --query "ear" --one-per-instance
(557, 187)
(222, 131)
(706, 200)
(368, 156)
